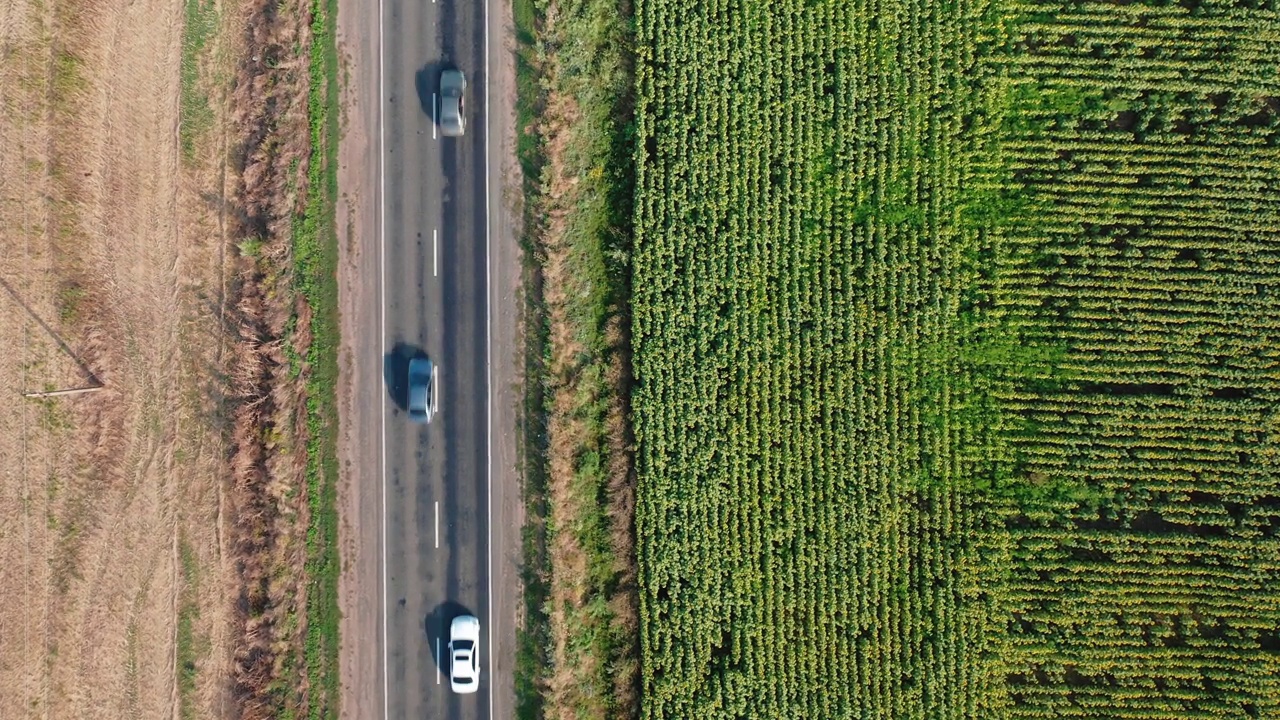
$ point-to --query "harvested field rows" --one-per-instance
(110, 260)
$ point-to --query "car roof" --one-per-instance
(419, 391)
(464, 671)
(418, 397)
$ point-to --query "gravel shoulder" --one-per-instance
(505, 299)
(360, 392)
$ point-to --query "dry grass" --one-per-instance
(151, 534)
(567, 433)
(268, 495)
(111, 515)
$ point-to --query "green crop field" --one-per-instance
(957, 356)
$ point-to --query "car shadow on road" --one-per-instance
(427, 81)
(395, 372)
(436, 626)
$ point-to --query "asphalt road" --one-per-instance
(434, 303)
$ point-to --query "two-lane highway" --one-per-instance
(435, 303)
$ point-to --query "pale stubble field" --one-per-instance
(112, 551)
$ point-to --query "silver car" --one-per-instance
(423, 398)
(453, 119)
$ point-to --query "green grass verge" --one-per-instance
(533, 636)
(316, 256)
(195, 114)
(191, 645)
(529, 94)
(580, 59)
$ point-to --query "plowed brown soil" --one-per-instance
(112, 551)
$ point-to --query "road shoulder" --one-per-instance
(505, 262)
(359, 391)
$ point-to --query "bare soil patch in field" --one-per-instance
(113, 551)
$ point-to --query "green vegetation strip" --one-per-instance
(316, 257)
(577, 652)
(532, 637)
(954, 332)
(192, 644)
(196, 116)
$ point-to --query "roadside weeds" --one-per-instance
(283, 369)
(578, 642)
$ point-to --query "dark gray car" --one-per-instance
(453, 86)
(422, 390)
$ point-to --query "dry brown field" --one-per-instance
(112, 250)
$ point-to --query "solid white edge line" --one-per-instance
(435, 265)
(437, 523)
(488, 344)
(434, 122)
(437, 661)
(382, 319)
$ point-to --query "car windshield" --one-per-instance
(461, 646)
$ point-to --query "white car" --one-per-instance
(464, 654)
